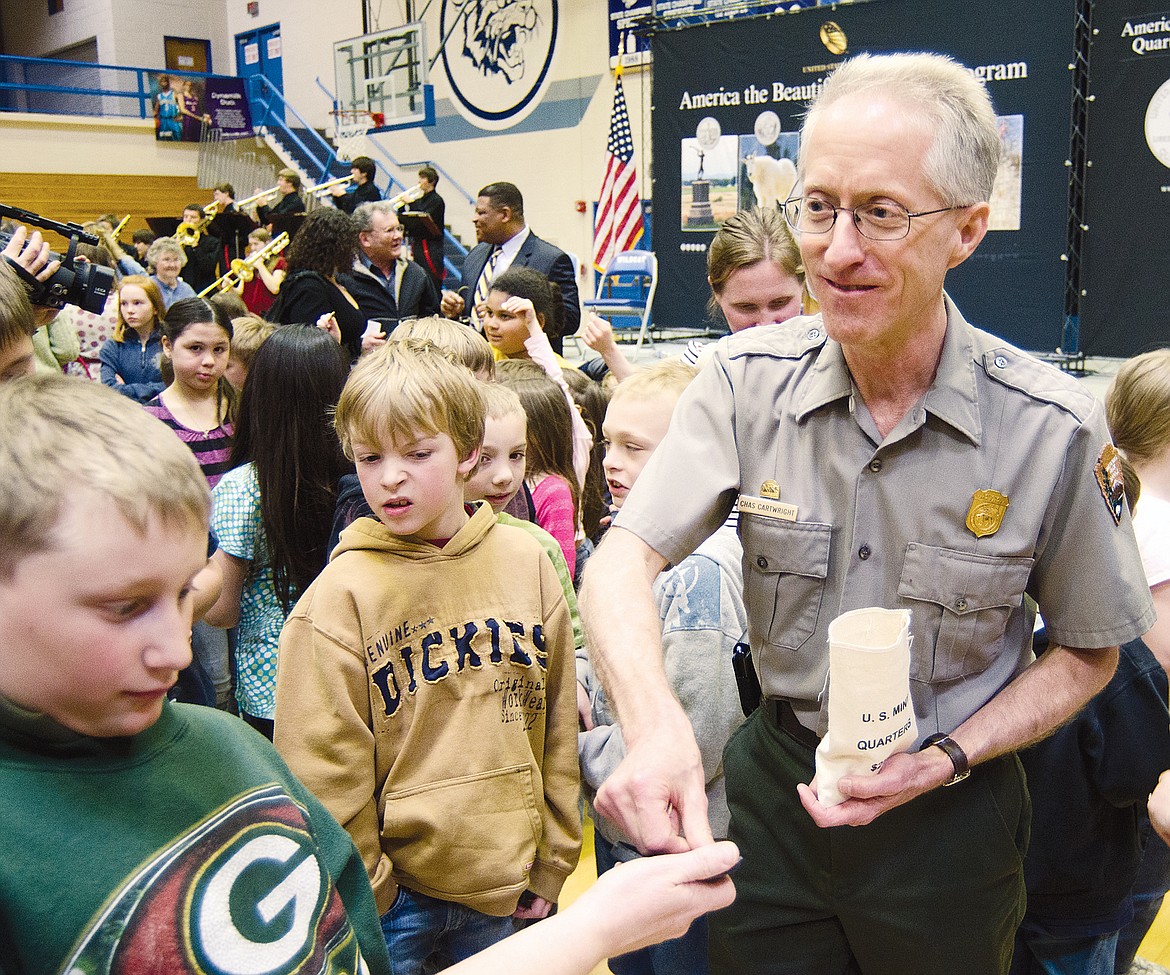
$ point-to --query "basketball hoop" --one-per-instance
(349, 131)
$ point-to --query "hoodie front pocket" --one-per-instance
(465, 836)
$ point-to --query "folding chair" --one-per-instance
(626, 290)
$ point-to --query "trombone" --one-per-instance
(329, 184)
(245, 269)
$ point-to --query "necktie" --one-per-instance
(483, 286)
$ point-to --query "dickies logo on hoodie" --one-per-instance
(397, 665)
(242, 893)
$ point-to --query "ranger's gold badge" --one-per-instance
(986, 512)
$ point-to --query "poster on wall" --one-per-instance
(751, 81)
(182, 106)
(1124, 259)
(631, 47)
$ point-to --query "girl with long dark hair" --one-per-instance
(273, 511)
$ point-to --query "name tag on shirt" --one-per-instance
(766, 508)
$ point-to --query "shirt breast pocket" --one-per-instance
(962, 603)
(786, 564)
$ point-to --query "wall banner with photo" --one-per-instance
(183, 105)
(1125, 260)
(729, 98)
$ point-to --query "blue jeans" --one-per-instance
(209, 647)
(1039, 953)
(419, 928)
(681, 956)
(1148, 891)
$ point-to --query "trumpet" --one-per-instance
(188, 234)
(416, 192)
(244, 269)
(240, 204)
(329, 184)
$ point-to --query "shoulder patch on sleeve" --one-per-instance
(1111, 481)
(1017, 370)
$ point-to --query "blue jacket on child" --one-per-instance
(136, 364)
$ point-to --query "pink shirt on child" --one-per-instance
(553, 501)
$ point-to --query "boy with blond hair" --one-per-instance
(138, 835)
(17, 326)
(425, 690)
(466, 344)
(700, 605)
(249, 332)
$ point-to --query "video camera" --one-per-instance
(83, 284)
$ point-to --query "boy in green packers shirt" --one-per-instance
(426, 688)
(137, 835)
(143, 837)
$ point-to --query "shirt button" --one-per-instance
(961, 605)
(1001, 362)
(863, 552)
(814, 333)
(762, 562)
(875, 465)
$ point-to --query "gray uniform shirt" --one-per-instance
(863, 521)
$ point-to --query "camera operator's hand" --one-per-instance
(30, 254)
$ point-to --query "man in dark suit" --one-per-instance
(505, 241)
(383, 282)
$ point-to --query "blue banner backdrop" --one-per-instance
(1126, 257)
(728, 100)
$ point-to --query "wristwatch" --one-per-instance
(955, 753)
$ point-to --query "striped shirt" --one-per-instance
(211, 448)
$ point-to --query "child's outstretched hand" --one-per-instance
(597, 333)
(328, 323)
(522, 308)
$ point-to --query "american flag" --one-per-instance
(619, 208)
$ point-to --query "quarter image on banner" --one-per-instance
(768, 172)
(710, 180)
(1006, 194)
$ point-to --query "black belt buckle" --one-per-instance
(781, 712)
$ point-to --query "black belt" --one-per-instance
(780, 711)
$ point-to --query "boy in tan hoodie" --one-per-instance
(426, 690)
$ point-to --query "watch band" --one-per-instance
(954, 752)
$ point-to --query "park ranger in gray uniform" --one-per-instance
(885, 453)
